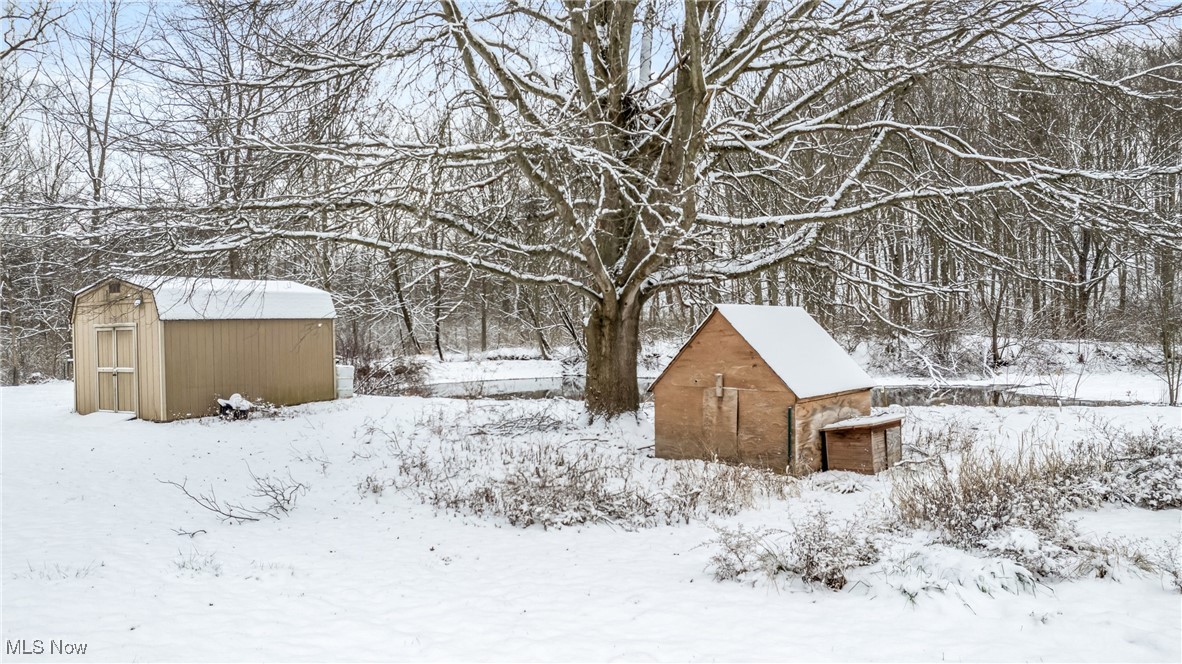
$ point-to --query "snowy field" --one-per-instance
(360, 570)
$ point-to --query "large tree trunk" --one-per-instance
(613, 342)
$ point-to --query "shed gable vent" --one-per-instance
(113, 287)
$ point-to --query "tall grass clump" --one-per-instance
(985, 493)
(1013, 504)
(817, 550)
(534, 477)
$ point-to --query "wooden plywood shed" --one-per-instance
(756, 385)
(863, 444)
(166, 348)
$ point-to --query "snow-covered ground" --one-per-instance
(92, 554)
(475, 370)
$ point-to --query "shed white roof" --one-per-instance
(864, 422)
(205, 298)
(797, 348)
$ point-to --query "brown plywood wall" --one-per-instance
(814, 414)
(748, 423)
(863, 450)
(279, 361)
(98, 307)
(894, 444)
(718, 348)
(851, 450)
(763, 429)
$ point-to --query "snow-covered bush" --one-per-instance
(816, 549)
(547, 484)
(988, 490)
(1167, 558)
(1065, 555)
(1146, 469)
(726, 489)
(1115, 465)
(533, 477)
(986, 493)
(1011, 505)
(922, 568)
(838, 481)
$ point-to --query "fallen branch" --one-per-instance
(227, 511)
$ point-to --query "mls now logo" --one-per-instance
(38, 647)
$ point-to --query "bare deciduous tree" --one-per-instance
(807, 139)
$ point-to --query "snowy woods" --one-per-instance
(598, 174)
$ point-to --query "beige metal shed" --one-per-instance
(166, 348)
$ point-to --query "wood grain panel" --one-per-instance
(720, 421)
(850, 450)
(763, 429)
(813, 414)
(678, 424)
(894, 436)
(718, 348)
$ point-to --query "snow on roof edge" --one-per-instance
(863, 421)
(212, 298)
(795, 346)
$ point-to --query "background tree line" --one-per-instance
(1007, 169)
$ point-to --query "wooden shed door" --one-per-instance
(116, 369)
(720, 420)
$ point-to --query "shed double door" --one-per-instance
(116, 369)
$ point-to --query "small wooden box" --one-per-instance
(869, 444)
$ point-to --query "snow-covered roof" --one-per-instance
(205, 298)
(797, 348)
(864, 421)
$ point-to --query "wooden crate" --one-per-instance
(863, 444)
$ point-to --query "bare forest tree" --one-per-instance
(29, 170)
(889, 164)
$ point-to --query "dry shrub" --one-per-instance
(531, 478)
(817, 550)
(952, 438)
(511, 423)
(1167, 558)
(1146, 469)
(988, 490)
(985, 494)
(726, 489)
(403, 375)
(197, 563)
(1013, 505)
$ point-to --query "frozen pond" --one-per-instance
(571, 387)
